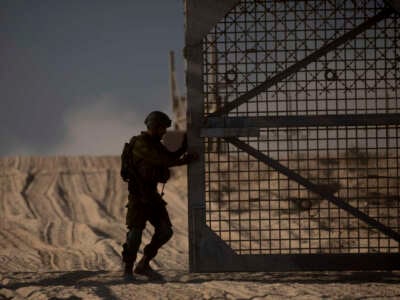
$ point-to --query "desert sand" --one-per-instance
(62, 227)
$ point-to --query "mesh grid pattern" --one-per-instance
(254, 208)
(259, 39)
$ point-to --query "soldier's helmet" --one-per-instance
(157, 118)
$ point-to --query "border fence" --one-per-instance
(294, 109)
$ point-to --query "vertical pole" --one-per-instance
(195, 119)
(178, 102)
(213, 143)
(173, 90)
(200, 17)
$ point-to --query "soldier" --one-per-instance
(149, 165)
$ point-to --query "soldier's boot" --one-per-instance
(143, 265)
(143, 268)
(130, 249)
(163, 232)
(128, 269)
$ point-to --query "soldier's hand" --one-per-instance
(186, 159)
(191, 157)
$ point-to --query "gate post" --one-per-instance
(200, 17)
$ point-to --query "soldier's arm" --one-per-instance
(178, 153)
(174, 156)
(161, 157)
(186, 159)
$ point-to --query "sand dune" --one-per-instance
(62, 226)
(68, 214)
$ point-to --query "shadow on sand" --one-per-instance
(101, 281)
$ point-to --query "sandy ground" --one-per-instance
(181, 285)
(62, 226)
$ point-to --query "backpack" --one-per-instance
(127, 166)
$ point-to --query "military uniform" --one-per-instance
(151, 160)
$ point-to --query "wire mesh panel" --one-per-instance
(319, 175)
(259, 39)
(257, 210)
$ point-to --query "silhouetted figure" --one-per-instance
(145, 163)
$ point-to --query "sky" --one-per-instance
(79, 77)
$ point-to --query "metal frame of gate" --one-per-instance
(294, 109)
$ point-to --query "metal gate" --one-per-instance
(294, 109)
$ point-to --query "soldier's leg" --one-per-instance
(136, 222)
(130, 249)
(162, 234)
